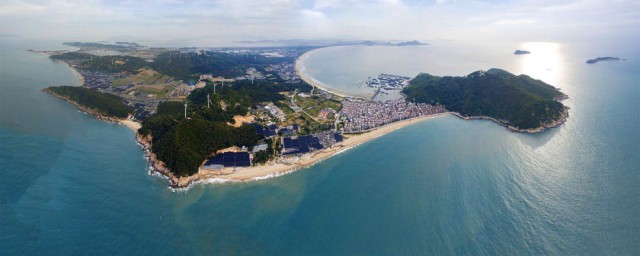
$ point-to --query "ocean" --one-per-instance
(72, 184)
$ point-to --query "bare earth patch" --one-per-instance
(241, 120)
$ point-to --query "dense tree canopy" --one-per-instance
(188, 65)
(103, 103)
(110, 63)
(183, 144)
(519, 101)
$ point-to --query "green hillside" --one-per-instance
(182, 144)
(102, 103)
(519, 101)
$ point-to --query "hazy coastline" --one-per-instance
(301, 71)
(128, 122)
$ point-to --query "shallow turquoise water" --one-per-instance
(76, 185)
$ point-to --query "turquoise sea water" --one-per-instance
(75, 185)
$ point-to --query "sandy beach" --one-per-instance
(282, 165)
(133, 125)
(73, 69)
(291, 164)
(300, 70)
(76, 72)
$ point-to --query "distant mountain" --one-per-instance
(521, 52)
(104, 46)
(130, 44)
(386, 43)
(596, 60)
(326, 43)
(519, 102)
(411, 43)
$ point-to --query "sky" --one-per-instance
(221, 22)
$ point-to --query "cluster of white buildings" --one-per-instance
(275, 111)
(286, 71)
(361, 115)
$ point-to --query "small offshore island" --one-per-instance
(521, 52)
(241, 114)
(596, 60)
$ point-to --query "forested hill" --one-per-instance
(518, 101)
(183, 144)
(184, 65)
(100, 103)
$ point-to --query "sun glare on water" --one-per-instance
(544, 62)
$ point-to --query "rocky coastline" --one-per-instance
(157, 166)
(84, 109)
(564, 115)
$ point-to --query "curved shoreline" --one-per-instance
(73, 69)
(133, 125)
(280, 166)
(283, 165)
(564, 115)
(299, 67)
(275, 168)
(300, 70)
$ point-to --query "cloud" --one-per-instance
(313, 14)
(514, 22)
(322, 4)
(222, 21)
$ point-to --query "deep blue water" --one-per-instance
(75, 185)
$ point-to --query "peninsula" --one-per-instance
(521, 52)
(519, 103)
(240, 114)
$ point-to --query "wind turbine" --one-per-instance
(185, 110)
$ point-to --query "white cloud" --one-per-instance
(228, 20)
(514, 22)
(313, 14)
(322, 4)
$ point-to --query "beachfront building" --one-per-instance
(208, 166)
(361, 115)
(260, 147)
(229, 159)
(296, 145)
